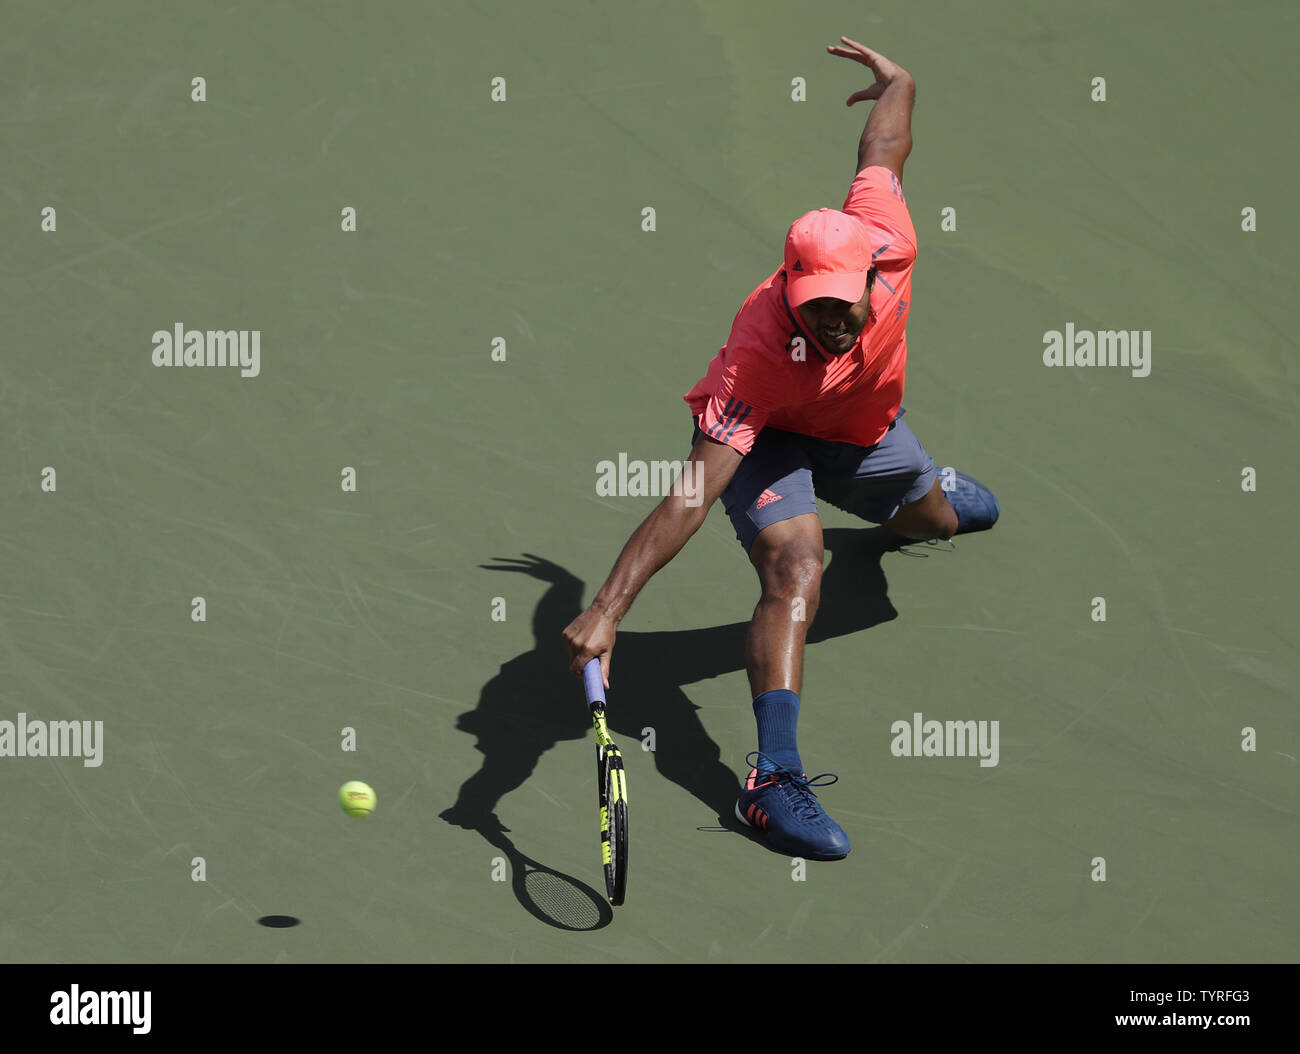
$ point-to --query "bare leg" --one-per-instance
(788, 557)
(925, 518)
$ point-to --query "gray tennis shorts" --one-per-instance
(784, 473)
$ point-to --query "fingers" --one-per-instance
(862, 48)
(575, 653)
(884, 69)
(589, 638)
(857, 52)
(845, 53)
(580, 660)
(578, 657)
(874, 92)
(581, 654)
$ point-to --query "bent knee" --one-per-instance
(794, 569)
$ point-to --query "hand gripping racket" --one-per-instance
(611, 782)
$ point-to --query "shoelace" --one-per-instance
(797, 786)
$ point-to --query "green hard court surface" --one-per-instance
(373, 610)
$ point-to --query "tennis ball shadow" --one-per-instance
(533, 702)
(278, 922)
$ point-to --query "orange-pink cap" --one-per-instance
(827, 253)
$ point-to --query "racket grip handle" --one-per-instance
(594, 681)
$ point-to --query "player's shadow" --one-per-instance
(533, 702)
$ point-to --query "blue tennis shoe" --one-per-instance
(783, 806)
(976, 507)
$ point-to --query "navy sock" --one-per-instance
(777, 713)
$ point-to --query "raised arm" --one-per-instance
(887, 138)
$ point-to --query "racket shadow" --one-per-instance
(551, 896)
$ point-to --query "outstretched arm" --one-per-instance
(659, 538)
(887, 138)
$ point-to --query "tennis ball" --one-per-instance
(357, 798)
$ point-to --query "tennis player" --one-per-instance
(805, 401)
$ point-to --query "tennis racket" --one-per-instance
(611, 782)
